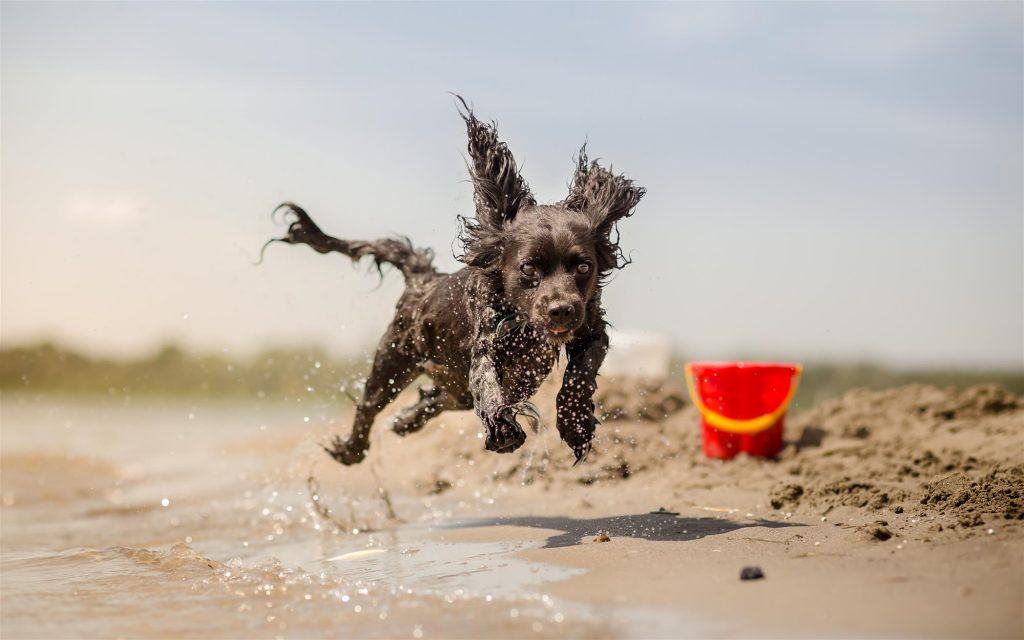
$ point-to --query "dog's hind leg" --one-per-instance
(392, 371)
(433, 401)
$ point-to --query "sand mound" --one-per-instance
(998, 492)
(916, 449)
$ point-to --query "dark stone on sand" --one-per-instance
(751, 573)
(662, 511)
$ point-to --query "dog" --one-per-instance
(490, 333)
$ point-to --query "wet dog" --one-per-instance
(488, 334)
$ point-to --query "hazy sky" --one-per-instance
(824, 180)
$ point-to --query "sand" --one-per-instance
(892, 513)
(895, 513)
(915, 454)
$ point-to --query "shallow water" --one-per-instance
(167, 519)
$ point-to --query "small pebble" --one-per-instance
(662, 511)
(751, 573)
(602, 537)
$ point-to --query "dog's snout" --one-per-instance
(562, 312)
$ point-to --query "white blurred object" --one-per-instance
(636, 354)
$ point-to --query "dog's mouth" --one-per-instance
(559, 335)
(555, 333)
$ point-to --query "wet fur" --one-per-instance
(488, 334)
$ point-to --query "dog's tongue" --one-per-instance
(558, 331)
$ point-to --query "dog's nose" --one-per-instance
(562, 312)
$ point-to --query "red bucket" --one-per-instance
(742, 405)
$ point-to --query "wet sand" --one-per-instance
(893, 513)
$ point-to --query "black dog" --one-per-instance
(488, 334)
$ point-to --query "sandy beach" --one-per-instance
(228, 225)
(889, 514)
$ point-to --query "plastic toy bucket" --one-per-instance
(742, 405)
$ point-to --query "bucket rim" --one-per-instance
(744, 364)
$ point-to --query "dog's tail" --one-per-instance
(399, 252)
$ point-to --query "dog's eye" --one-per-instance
(528, 270)
(583, 267)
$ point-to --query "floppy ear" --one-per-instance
(606, 198)
(599, 193)
(499, 191)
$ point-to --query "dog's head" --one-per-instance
(550, 260)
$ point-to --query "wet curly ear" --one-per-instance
(606, 198)
(499, 191)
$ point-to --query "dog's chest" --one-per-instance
(523, 361)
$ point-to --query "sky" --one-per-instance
(840, 181)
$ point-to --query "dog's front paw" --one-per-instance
(576, 425)
(504, 435)
(348, 451)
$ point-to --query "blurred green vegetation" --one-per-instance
(170, 371)
(289, 373)
(823, 381)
